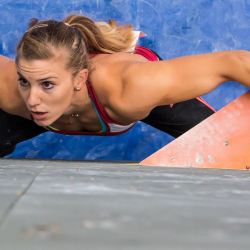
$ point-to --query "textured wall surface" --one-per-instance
(173, 28)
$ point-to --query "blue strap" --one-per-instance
(104, 126)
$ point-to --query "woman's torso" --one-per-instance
(105, 88)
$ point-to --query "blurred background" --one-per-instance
(173, 27)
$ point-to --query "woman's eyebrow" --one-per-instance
(46, 78)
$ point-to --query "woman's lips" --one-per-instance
(39, 115)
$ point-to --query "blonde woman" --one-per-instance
(77, 76)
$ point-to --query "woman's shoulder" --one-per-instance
(107, 71)
(10, 100)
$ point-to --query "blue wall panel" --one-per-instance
(173, 28)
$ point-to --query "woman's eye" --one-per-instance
(23, 82)
(47, 85)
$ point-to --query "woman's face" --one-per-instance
(47, 88)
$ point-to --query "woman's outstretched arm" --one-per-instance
(183, 78)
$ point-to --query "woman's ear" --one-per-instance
(81, 79)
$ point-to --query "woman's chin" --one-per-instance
(43, 123)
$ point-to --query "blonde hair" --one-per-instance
(79, 34)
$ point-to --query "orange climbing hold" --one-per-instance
(220, 141)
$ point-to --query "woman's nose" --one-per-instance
(34, 98)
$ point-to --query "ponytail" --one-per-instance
(102, 37)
